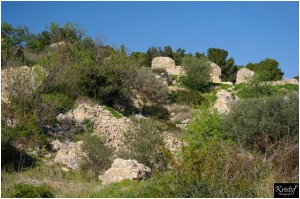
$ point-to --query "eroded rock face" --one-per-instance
(70, 155)
(224, 102)
(244, 75)
(125, 169)
(215, 73)
(168, 64)
(105, 124)
(22, 80)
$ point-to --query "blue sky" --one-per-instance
(249, 31)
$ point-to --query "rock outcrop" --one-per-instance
(224, 102)
(21, 81)
(125, 169)
(244, 75)
(104, 122)
(70, 155)
(215, 73)
(168, 64)
(284, 81)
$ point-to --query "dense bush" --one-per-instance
(205, 125)
(32, 191)
(144, 82)
(264, 122)
(156, 111)
(197, 73)
(15, 141)
(188, 97)
(255, 88)
(268, 67)
(143, 142)
(98, 155)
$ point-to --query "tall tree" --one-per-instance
(228, 68)
(150, 54)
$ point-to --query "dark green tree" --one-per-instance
(139, 57)
(179, 54)
(268, 67)
(150, 54)
(228, 68)
(12, 44)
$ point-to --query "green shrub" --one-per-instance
(98, 154)
(260, 123)
(156, 111)
(255, 88)
(31, 191)
(204, 126)
(197, 73)
(59, 101)
(188, 97)
(143, 142)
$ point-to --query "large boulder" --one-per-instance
(244, 75)
(168, 64)
(125, 169)
(224, 102)
(70, 155)
(215, 73)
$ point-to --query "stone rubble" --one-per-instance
(125, 169)
(104, 123)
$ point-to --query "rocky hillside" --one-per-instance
(90, 121)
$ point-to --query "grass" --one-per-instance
(64, 184)
(113, 112)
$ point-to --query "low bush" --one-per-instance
(31, 191)
(188, 97)
(156, 111)
(262, 123)
(98, 155)
(144, 142)
(197, 73)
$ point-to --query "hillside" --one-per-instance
(84, 119)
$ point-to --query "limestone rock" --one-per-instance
(104, 123)
(224, 102)
(55, 45)
(244, 75)
(125, 169)
(56, 145)
(215, 73)
(168, 64)
(31, 181)
(70, 155)
(284, 81)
